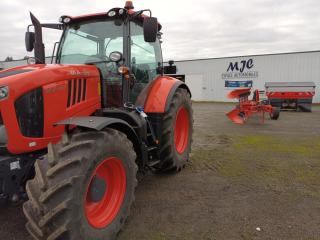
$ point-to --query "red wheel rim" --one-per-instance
(181, 131)
(101, 214)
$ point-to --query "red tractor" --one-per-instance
(75, 134)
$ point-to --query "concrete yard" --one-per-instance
(256, 181)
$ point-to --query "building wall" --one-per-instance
(207, 78)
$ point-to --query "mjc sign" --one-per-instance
(240, 74)
(240, 66)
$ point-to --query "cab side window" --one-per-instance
(145, 59)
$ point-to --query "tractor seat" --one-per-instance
(141, 72)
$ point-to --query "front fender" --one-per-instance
(92, 122)
(99, 123)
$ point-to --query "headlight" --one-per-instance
(67, 20)
(4, 92)
(64, 19)
(112, 13)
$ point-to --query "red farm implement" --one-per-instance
(247, 107)
(295, 96)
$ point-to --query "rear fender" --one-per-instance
(157, 96)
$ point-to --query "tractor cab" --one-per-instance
(102, 42)
(124, 45)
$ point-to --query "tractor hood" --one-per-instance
(31, 76)
(35, 97)
(22, 79)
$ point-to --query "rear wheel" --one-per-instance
(176, 133)
(83, 189)
(274, 115)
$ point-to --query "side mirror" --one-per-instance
(29, 39)
(150, 29)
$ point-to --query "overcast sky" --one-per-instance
(192, 28)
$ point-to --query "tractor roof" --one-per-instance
(118, 13)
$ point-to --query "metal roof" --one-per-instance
(245, 56)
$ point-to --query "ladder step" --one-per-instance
(151, 149)
(151, 164)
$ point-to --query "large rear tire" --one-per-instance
(83, 189)
(177, 129)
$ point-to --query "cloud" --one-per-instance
(192, 29)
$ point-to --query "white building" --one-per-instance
(211, 79)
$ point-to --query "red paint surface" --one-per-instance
(290, 95)
(158, 94)
(54, 82)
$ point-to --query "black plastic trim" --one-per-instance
(84, 90)
(93, 122)
(15, 170)
(69, 93)
(30, 113)
(79, 89)
(14, 72)
(74, 92)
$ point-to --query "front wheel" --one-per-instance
(176, 139)
(83, 189)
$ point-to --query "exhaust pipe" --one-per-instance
(39, 53)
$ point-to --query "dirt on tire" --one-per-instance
(57, 195)
(171, 159)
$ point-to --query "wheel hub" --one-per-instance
(97, 189)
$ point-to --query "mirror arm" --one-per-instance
(138, 13)
(28, 28)
(57, 26)
(148, 10)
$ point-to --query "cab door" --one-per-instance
(146, 58)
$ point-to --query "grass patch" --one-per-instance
(303, 146)
(266, 160)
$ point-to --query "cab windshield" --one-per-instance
(91, 41)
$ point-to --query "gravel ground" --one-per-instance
(256, 181)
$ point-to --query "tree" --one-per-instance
(8, 59)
